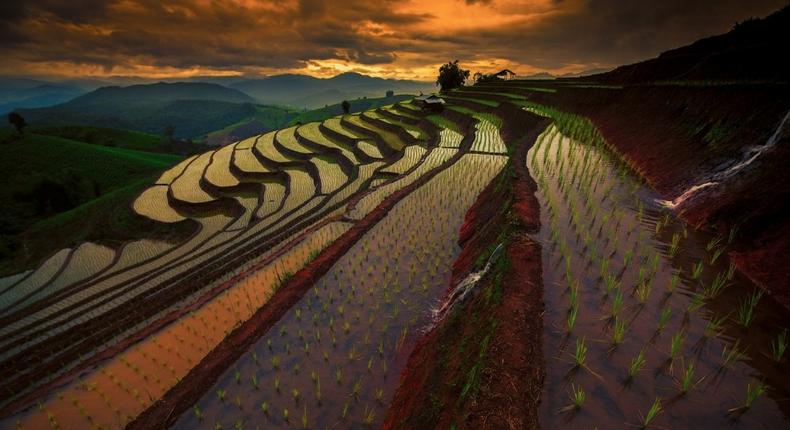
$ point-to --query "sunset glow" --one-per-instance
(405, 39)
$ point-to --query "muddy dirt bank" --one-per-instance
(481, 366)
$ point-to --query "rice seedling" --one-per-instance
(580, 353)
(611, 283)
(652, 413)
(779, 346)
(577, 396)
(746, 311)
(198, 413)
(715, 256)
(663, 318)
(571, 321)
(732, 354)
(714, 326)
(617, 304)
(714, 242)
(716, 287)
(753, 392)
(697, 301)
(676, 344)
(573, 296)
(305, 420)
(627, 257)
(696, 270)
(221, 395)
(687, 382)
(356, 389)
(618, 332)
(673, 282)
(265, 408)
(369, 416)
(730, 271)
(643, 292)
(637, 363)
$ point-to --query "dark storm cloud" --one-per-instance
(238, 35)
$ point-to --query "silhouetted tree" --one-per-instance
(451, 76)
(18, 122)
(390, 93)
(346, 106)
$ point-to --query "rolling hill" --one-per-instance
(57, 191)
(754, 50)
(192, 108)
(29, 93)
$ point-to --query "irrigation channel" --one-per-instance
(646, 320)
(335, 358)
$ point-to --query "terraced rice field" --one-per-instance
(84, 336)
(322, 252)
(642, 312)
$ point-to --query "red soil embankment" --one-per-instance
(481, 367)
(676, 135)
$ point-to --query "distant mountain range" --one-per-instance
(754, 50)
(196, 109)
(192, 108)
(303, 91)
(29, 93)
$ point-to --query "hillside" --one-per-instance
(56, 192)
(160, 92)
(16, 95)
(192, 108)
(308, 92)
(754, 50)
(111, 137)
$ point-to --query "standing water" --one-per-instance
(647, 323)
(334, 360)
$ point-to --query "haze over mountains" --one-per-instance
(196, 107)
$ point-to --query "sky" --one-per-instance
(395, 39)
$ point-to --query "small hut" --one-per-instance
(505, 74)
(431, 103)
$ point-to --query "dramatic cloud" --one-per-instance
(407, 39)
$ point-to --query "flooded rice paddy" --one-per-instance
(647, 324)
(335, 358)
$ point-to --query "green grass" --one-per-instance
(127, 139)
(443, 122)
(270, 117)
(57, 192)
(497, 121)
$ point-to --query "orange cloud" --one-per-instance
(404, 39)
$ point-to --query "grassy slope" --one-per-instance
(103, 136)
(108, 177)
(263, 119)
